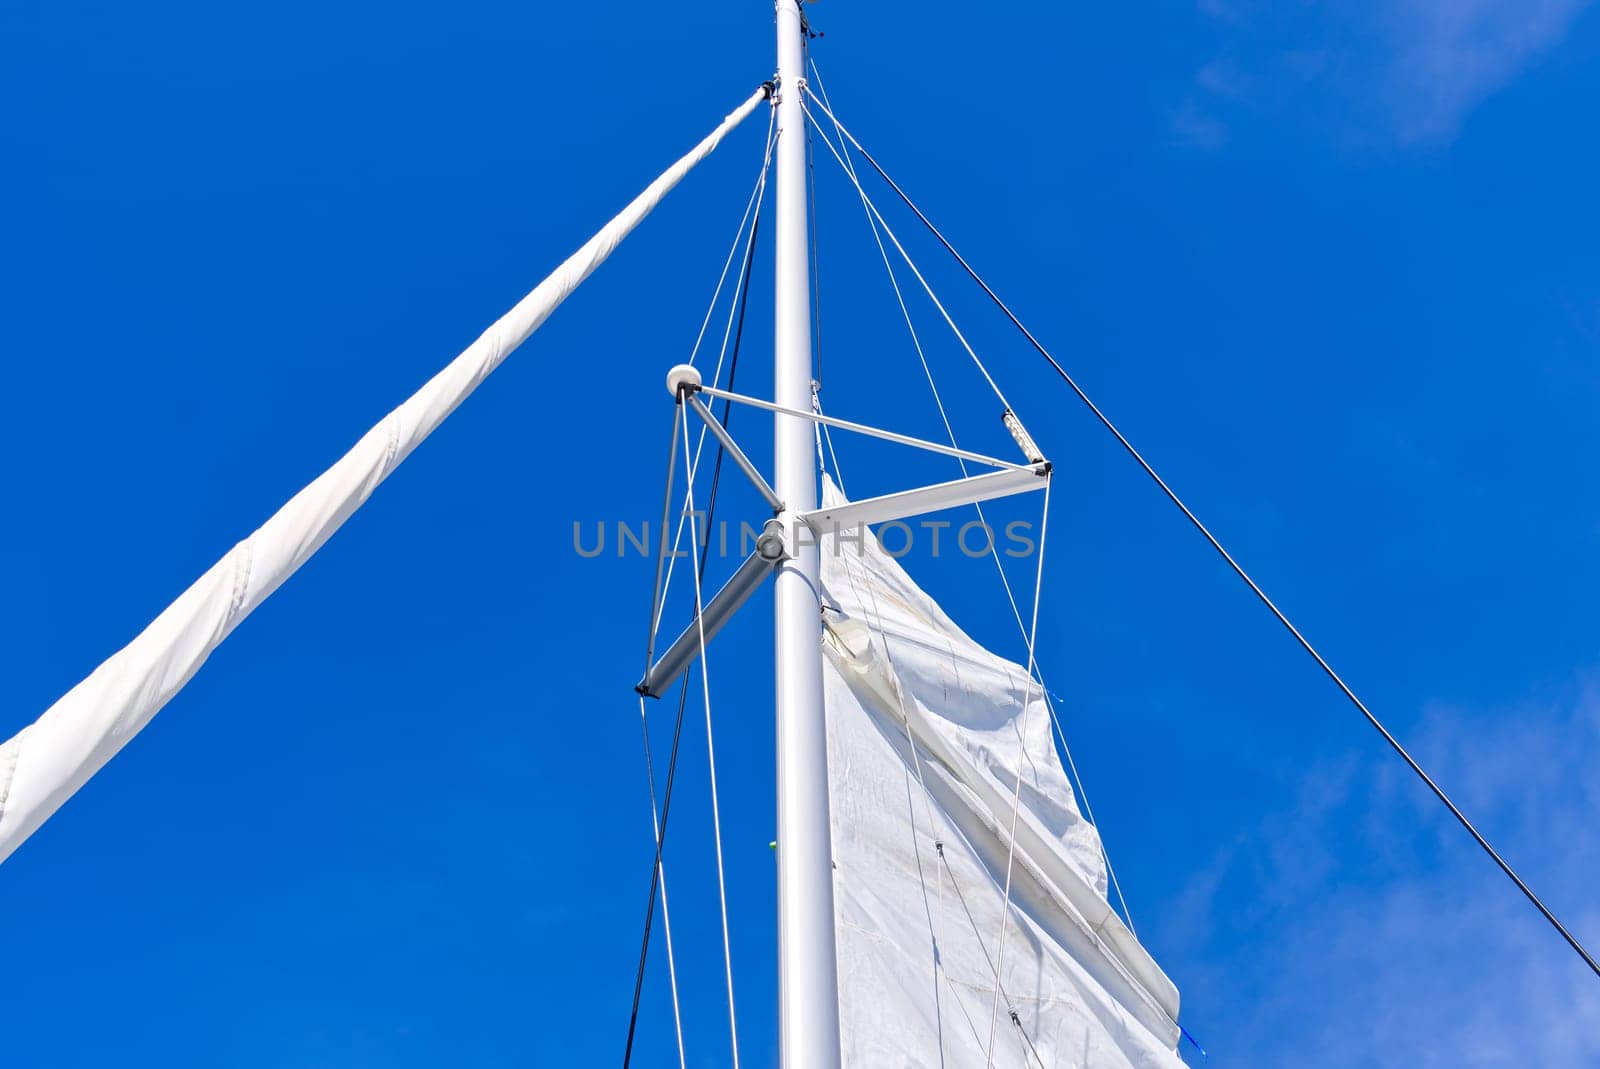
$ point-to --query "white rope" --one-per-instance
(824, 433)
(661, 880)
(716, 376)
(989, 961)
(711, 754)
(994, 553)
(755, 197)
(873, 208)
(687, 514)
(816, 428)
(1016, 801)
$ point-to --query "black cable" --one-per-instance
(1172, 496)
(683, 687)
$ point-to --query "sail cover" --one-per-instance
(928, 734)
(44, 764)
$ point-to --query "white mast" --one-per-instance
(808, 971)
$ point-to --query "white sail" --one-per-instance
(43, 765)
(927, 735)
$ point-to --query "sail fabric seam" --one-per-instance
(77, 735)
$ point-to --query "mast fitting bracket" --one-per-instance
(683, 379)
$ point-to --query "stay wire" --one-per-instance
(816, 270)
(728, 328)
(752, 205)
(711, 767)
(1016, 800)
(875, 627)
(994, 554)
(657, 877)
(1255, 588)
(906, 256)
(973, 924)
(677, 728)
(661, 877)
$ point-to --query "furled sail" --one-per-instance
(928, 734)
(45, 764)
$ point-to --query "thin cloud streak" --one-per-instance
(1421, 954)
(1402, 72)
(1451, 55)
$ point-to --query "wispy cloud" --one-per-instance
(1420, 954)
(1449, 55)
(1194, 127)
(1412, 70)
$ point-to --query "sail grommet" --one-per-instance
(683, 379)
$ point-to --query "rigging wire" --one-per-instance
(711, 758)
(972, 849)
(658, 876)
(741, 296)
(825, 433)
(994, 553)
(752, 205)
(1016, 798)
(875, 625)
(816, 271)
(1244, 576)
(956, 884)
(661, 878)
(873, 208)
(1035, 675)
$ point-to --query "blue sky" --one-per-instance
(1332, 266)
